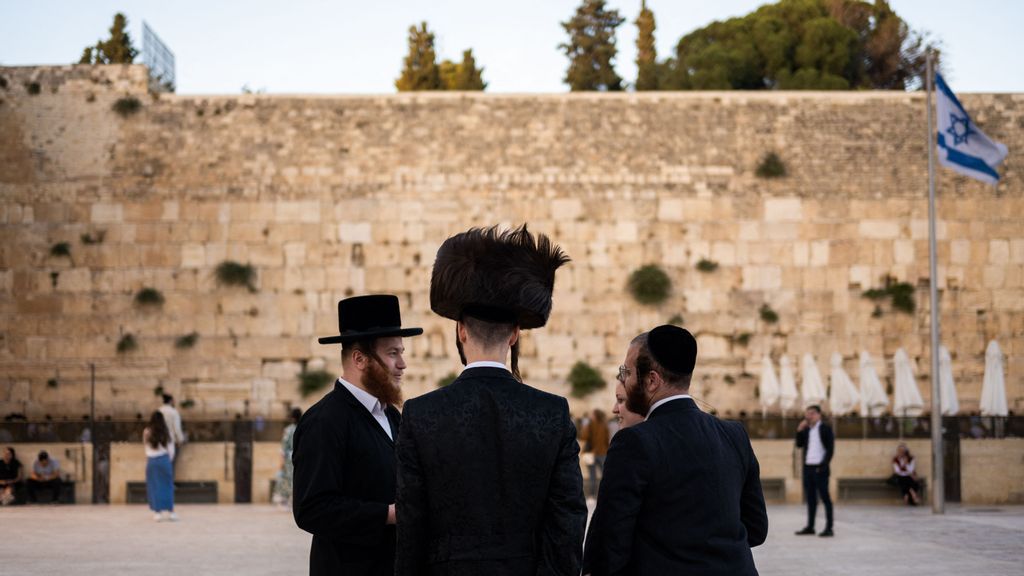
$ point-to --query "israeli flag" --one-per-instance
(962, 146)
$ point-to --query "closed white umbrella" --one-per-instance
(873, 399)
(993, 389)
(769, 384)
(843, 397)
(947, 390)
(811, 387)
(787, 385)
(907, 399)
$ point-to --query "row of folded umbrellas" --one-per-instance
(870, 398)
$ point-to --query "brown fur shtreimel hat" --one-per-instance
(497, 276)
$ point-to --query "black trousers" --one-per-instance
(815, 486)
(35, 486)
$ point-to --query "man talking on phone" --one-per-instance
(818, 443)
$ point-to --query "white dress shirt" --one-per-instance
(665, 401)
(815, 449)
(372, 405)
(485, 364)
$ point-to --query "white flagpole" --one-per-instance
(938, 477)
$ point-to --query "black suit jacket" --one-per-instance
(489, 481)
(681, 494)
(828, 440)
(344, 482)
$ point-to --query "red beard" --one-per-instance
(377, 382)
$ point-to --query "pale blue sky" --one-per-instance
(347, 46)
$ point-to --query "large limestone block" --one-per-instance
(783, 209)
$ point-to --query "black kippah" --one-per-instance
(674, 348)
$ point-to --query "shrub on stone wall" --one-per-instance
(706, 265)
(126, 344)
(771, 166)
(899, 294)
(149, 298)
(676, 320)
(446, 379)
(187, 341)
(60, 250)
(187, 403)
(33, 88)
(127, 106)
(584, 379)
(769, 315)
(311, 381)
(231, 273)
(94, 237)
(649, 284)
(743, 339)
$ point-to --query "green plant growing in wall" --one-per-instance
(33, 88)
(158, 390)
(446, 379)
(706, 265)
(149, 298)
(187, 341)
(60, 250)
(188, 403)
(127, 106)
(729, 379)
(771, 166)
(231, 273)
(126, 344)
(743, 339)
(94, 238)
(649, 284)
(676, 320)
(899, 294)
(584, 379)
(768, 315)
(52, 383)
(311, 381)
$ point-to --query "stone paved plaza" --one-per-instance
(255, 540)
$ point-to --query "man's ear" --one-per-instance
(514, 338)
(461, 332)
(653, 381)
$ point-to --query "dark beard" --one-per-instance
(637, 401)
(377, 382)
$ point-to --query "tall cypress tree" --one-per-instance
(646, 53)
(420, 70)
(591, 48)
(117, 49)
(467, 76)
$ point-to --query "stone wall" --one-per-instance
(330, 196)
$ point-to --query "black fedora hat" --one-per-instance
(365, 317)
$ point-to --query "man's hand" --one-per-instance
(391, 515)
(803, 425)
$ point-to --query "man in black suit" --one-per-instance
(344, 455)
(818, 443)
(489, 478)
(681, 492)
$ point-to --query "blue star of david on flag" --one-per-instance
(960, 129)
(961, 145)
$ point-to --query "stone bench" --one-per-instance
(774, 489)
(186, 492)
(874, 489)
(65, 495)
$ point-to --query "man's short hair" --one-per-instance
(367, 346)
(168, 398)
(645, 363)
(815, 407)
(488, 334)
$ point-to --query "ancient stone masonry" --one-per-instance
(329, 196)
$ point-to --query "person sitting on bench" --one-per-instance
(45, 475)
(10, 476)
(903, 468)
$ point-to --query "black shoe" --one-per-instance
(826, 533)
(807, 531)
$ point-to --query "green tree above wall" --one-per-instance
(420, 70)
(801, 45)
(646, 52)
(591, 48)
(462, 76)
(117, 49)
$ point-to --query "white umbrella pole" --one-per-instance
(938, 474)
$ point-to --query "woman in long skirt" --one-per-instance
(159, 473)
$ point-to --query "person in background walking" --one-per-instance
(596, 442)
(283, 488)
(159, 473)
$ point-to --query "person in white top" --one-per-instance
(818, 443)
(159, 475)
(904, 468)
(173, 420)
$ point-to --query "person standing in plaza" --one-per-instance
(156, 440)
(818, 444)
(343, 491)
(283, 487)
(489, 477)
(682, 491)
(173, 420)
(596, 436)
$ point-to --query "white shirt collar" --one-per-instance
(665, 401)
(485, 364)
(365, 398)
